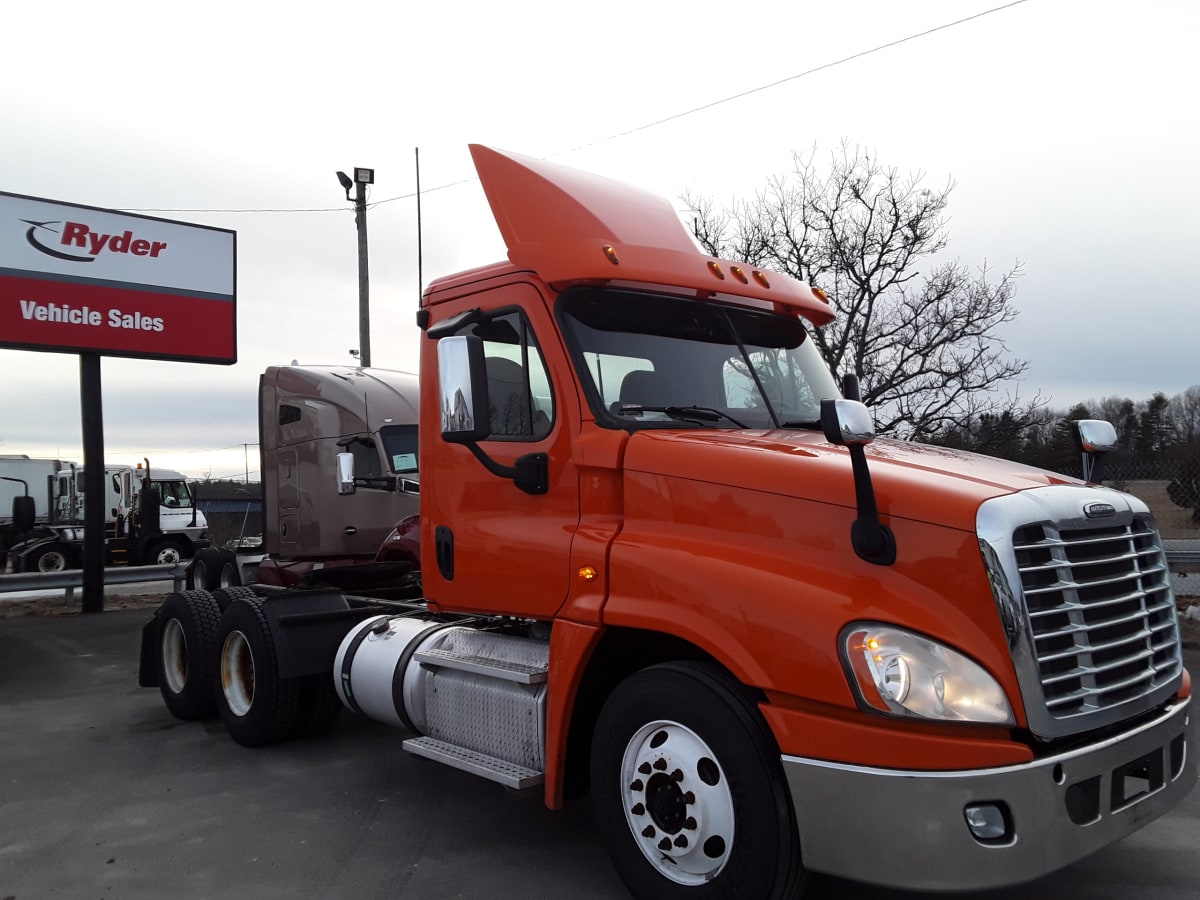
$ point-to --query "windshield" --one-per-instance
(173, 494)
(655, 361)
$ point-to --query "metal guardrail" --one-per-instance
(1182, 553)
(1177, 557)
(71, 579)
(1183, 558)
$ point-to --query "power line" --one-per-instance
(154, 209)
(648, 125)
(820, 68)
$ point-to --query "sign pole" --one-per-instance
(92, 412)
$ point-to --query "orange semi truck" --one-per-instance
(664, 561)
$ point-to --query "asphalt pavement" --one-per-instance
(104, 795)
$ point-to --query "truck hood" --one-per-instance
(913, 481)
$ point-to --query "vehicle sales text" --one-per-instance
(31, 310)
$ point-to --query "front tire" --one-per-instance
(689, 793)
(165, 553)
(257, 706)
(187, 653)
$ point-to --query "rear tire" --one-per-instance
(319, 706)
(205, 571)
(228, 575)
(48, 558)
(226, 595)
(689, 793)
(257, 706)
(187, 653)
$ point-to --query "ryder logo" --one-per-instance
(78, 236)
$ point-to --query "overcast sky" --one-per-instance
(1069, 127)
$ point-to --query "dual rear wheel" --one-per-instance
(214, 568)
(217, 657)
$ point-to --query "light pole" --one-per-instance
(362, 177)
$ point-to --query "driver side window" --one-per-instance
(521, 403)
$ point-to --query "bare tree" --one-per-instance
(1184, 413)
(923, 345)
(1123, 414)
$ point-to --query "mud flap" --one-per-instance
(148, 664)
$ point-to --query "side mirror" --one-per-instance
(1094, 438)
(23, 514)
(1095, 435)
(847, 422)
(463, 390)
(345, 473)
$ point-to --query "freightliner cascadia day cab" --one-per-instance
(664, 561)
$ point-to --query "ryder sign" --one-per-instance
(78, 279)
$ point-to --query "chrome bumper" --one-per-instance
(907, 829)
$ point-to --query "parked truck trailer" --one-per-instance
(665, 561)
(150, 515)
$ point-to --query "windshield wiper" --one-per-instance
(683, 413)
(811, 426)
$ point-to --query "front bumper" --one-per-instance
(907, 829)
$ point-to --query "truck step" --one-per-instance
(503, 670)
(498, 770)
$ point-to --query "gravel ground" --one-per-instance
(57, 606)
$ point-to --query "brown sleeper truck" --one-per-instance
(664, 560)
(308, 415)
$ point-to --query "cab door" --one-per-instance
(487, 545)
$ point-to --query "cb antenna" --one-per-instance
(420, 277)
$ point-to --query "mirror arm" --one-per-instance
(377, 483)
(531, 472)
(872, 540)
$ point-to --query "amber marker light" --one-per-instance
(611, 254)
(821, 295)
(587, 573)
(715, 268)
(762, 279)
(739, 274)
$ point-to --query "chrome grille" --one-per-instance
(1100, 611)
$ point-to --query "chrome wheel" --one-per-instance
(677, 802)
(174, 656)
(237, 673)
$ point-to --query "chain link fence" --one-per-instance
(1171, 488)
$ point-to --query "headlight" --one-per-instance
(903, 674)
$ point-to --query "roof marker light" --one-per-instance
(761, 278)
(739, 274)
(715, 268)
(611, 254)
(821, 295)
